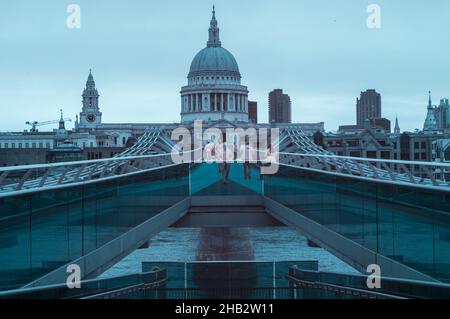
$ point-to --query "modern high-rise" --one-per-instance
(253, 112)
(442, 114)
(368, 106)
(279, 107)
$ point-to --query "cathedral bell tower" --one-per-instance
(90, 116)
(430, 120)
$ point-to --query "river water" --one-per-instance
(270, 244)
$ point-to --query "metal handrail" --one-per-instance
(344, 290)
(366, 159)
(127, 158)
(356, 167)
(117, 293)
(79, 163)
(71, 173)
(75, 292)
(385, 281)
(367, 168)
(443, 187)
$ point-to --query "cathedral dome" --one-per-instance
(214, 59)
(214, 91)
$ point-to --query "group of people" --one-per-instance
(221, 154)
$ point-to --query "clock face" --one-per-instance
(91, 117)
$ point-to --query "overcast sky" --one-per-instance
(320, 52)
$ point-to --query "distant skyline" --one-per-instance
(319, 52)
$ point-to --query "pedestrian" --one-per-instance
(245, 157)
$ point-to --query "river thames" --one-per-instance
(270, 244)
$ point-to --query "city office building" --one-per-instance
(368, 106)
(279, 107)
(253, 112)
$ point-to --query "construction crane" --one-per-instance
(35, 124)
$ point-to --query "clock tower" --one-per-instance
(90, 116)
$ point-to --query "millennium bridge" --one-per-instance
(390, 213)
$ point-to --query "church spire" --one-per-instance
(397, 127)
(61, 121)
(90, 83)
(214, 40)
(429, 100)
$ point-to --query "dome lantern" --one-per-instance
(214, 39)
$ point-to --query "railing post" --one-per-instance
(262, 186)
(190, 186)
(274, 280)
(185, 281)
